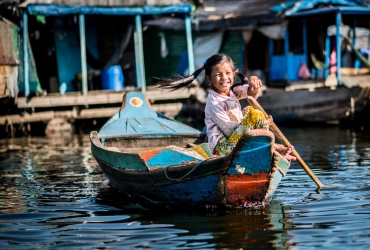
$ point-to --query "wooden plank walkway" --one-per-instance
(311, 85)
(103, 104)
(91, 106)
(94, 98)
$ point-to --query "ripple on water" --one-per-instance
(53, 196)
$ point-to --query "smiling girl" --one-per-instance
(226, 122)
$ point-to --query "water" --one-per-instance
(54, 195)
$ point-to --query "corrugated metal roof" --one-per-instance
(236, 14)
(242, 7)
(225, 15)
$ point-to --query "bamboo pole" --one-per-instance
(285, 141)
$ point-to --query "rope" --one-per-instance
(171, 179)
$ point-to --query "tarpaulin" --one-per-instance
(294, 6)
(59, 10)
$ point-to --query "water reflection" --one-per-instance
(35, 169)
(105, 227)
(54, 195)
(255, 227)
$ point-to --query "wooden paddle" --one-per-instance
(285, 141)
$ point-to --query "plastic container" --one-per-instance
(112, 78)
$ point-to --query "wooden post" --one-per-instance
(83, 53)
(189, 42)
(304, 31)
(339, 54)
(139, 54)
(368, 45)
(286, 49)
(327, 54)
(25, 55)
(271, 53)
(354, 41)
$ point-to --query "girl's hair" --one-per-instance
(177, 83)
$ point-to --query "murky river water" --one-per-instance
(53, 195)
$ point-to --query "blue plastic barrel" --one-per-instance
(112, 78)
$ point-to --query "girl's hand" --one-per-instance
(270, 120)
(254, 85)
(241, 91)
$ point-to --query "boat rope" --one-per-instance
(178, 179)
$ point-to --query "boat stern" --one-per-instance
(256, 170)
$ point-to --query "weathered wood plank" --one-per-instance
(95, 98)
(48, 115)
(362, 80)
(311, 86)
(170, 110)
(356, 80)
(69, 100)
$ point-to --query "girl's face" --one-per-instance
(221, 78)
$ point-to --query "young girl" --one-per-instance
(225, 120)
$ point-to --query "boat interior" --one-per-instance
(136, 145)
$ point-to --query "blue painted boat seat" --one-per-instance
(170, 156)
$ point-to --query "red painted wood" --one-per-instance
(146, 155)
(247, 187)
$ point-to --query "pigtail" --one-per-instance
(243, 80)
(174, 84)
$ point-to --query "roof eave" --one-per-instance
(331, 10)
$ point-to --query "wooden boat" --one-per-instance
(156, 160)
(324, 105)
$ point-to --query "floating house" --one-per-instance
(281, 38)
(9, 60)
(333, 53)
(312, 55)
(294, 48)
(334, 39)
(75, 59)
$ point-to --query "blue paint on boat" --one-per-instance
(194, 191)
(209, 182)
(167, 172)
(138, 119)
(118, 159)
(253, 156)
(169, 157)
(283, 164)
(275, 183)
(136, 105)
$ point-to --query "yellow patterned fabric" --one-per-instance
(204, 150)
(252, 119)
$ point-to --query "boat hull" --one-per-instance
(319, 106)
(251, 173)
(155, 160)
